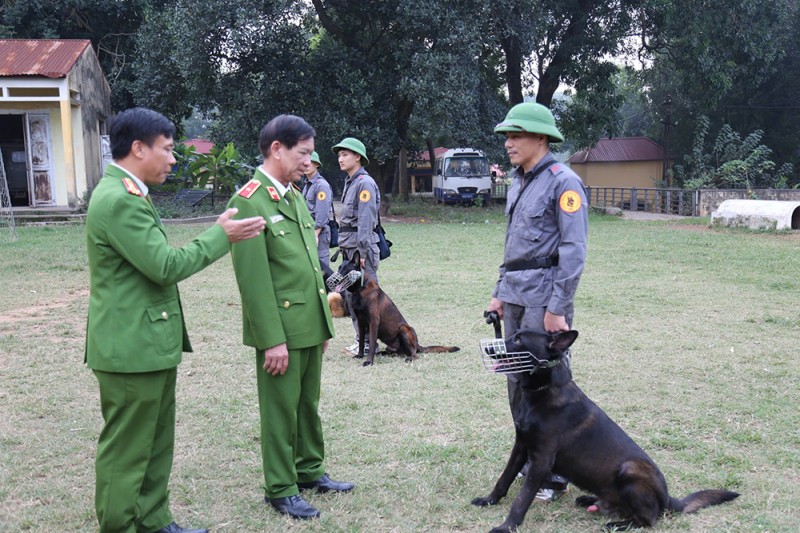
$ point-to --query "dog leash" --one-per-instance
(494, 319)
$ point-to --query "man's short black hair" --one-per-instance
(137, 124)
(286, 129)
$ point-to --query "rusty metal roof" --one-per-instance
(620, 149)
(51, 58)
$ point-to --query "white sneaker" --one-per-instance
(549, 495)
(353, 348)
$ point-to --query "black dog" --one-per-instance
(561, 430)
(378, 313)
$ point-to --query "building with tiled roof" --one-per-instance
(620, 162)
(201, 146)
(54, 106)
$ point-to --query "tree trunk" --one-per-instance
(402, 174)
(513, 55)
(432, 157)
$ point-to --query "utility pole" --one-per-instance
(666, 122)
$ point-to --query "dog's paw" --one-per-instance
(624, 525)
(483, 502)
(367, 363)
(502, 529)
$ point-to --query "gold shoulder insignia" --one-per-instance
(131, 187)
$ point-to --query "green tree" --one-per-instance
(160, 84)
(402, 73)
(245, 64)
(547, 43)
(732, 162)
(734, 61)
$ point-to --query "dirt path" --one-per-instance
(644, 215)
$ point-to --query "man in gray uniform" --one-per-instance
(545, 246)
(319, 199)
(360, 203)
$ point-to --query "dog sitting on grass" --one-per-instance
(377, 316)
(559, 429)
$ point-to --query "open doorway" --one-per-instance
(12, 146)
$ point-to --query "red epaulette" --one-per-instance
(273, 193)
(131, 187)
(249, 188)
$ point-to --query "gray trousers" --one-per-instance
(324, 250)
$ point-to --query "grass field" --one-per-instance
(688, 338)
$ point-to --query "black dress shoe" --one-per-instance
(295, 506)
(175, 528)
(325, 484)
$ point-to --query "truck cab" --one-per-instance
(461, 175)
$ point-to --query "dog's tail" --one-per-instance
(437, 349)
(700, 499)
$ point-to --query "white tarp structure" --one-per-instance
(757, 214)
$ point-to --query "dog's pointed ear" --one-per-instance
(562, 340)
(357, 258)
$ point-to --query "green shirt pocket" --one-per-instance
(165, 326)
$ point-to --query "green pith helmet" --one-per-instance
(354, 145)
(532, 118)
(315, 158)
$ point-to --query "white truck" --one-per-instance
(461, 175)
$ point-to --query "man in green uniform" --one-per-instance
(286, 318)
(136, 333)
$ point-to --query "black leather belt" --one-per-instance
(529, 264)
(348, 229)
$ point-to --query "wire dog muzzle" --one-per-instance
(497, 359)
(338, 283)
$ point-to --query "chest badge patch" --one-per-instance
(570, 201)
(131, 187)
(273, 193)
(364, 196)
(321, 195)
(248, 190)
(276, 218)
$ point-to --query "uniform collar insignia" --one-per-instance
(273, 193)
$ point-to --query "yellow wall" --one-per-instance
(639, 174)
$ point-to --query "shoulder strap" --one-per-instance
(525, 184)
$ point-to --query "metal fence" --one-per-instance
(668, 201)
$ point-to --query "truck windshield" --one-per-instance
(466, 166)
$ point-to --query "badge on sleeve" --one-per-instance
(321, 195)
(570, 201)
(248, 190)
(273, 193)
(364, 196)
(131, 187)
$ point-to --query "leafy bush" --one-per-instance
(733, 162)
(222, 169)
